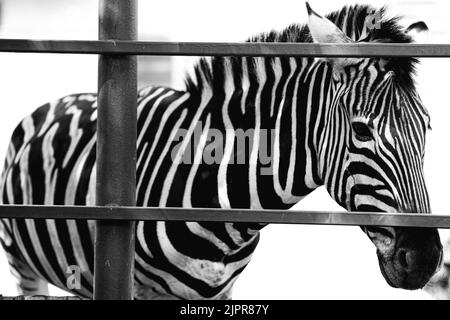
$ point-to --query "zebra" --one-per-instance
(355, 126)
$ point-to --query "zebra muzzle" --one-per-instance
(413, 257)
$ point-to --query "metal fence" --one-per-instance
(116, 212)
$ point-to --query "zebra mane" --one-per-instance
(350, 19)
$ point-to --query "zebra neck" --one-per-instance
(279, 104)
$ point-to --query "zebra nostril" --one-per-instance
(402, 258)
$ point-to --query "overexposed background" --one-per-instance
(291, 262)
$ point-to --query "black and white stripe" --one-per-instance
(312, 111)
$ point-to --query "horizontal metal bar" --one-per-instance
(123, 47)
(39, 297)
(228, 215)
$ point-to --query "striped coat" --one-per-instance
(246, 133)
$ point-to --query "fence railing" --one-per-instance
(115, 213)
(254, 49)
(120, 213)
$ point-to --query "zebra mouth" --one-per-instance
(384, 273)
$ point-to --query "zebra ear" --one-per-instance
(324, 31)
(418, 31)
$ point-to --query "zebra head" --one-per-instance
(378, 124)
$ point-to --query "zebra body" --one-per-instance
(51, 160)
(211, 259)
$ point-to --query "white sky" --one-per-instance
(291, 262)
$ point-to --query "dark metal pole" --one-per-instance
(116, 153)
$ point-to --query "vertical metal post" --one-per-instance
(116, 153)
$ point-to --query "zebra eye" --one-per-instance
(362, 131)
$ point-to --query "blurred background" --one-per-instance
(291, 262)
